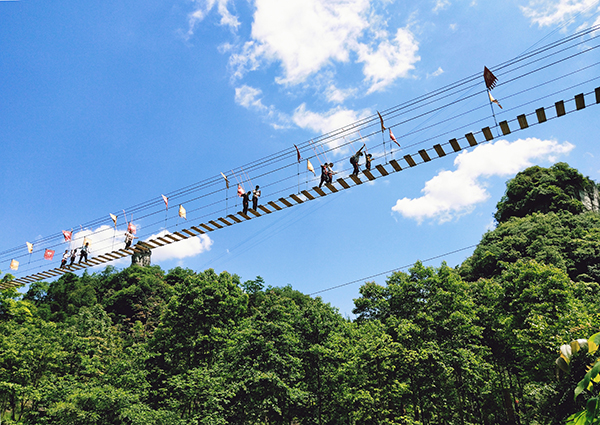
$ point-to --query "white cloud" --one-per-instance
(390, 61)
(204, 7)
(309, 36)
(335, 95)
(331, 120)
(248, 97)
(186, 248)
(550, 12)
(440, 5)
(105, 239)
(451, 194)
(436, 73)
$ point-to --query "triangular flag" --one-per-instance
(240, 190)
(48, 254)
(114, 219)
(490, 79)
(381, 120)
(298, 153)
(67, 235)
(14, 265)
(309, 167)
(131, 228)
(86, 241)
(494, 100)
(182, 212)
(29, 247)
(166, 201)
(226, 180)
(393, 138)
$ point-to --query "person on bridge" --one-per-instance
(84, 252)
(73, 256)
(128, 239)
(368, 161)
(354, 160)
(324, 174)
(65, 257)
(255, 196)
(245, 199)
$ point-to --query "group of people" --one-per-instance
(70, 256)
(354, 159)
(326, 173)
(246, 199)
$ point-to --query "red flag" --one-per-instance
(240, 190)
(393, 138)
(298, 153)
(49, 254)
(381, 120)
(490, 79)
(131, 228)
(166, 201)
(67, 235)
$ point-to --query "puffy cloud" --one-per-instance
(105, 239)
(186, 248)
(436, 73)
(249, 97)
(203, 7)
(550, 12)
(451, 194)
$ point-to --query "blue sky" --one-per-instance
(107, 106)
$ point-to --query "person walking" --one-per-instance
(255, 196)
(85, 250)
(354, 160)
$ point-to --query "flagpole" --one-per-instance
(298, 167)
(114, 236)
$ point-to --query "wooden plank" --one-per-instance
(471, 139)
(171, 237)
(381, 170)
(244, 216)
(597, 92)
(215, 224)
(296, 198)
(166, 241)
(274, 205)
(487, 133)
(455, 145)
(208, 228)
(254, 212)
(234, 218)
(155, 242)
(522, 121)
(308, 195)
(560, 108)
(188, 232)
(331, 187)
(439, 150)
(225, 222)
(105, 258)
(179, 235)
(424, 155)
(395, 165)
(504, 127)
(541, 115)
(285, 202)
(410, 161)
(579, 101)
(319, 191)
(343, 183)
(369, 175)
(264, 209)
(355, 179)
(200, 231)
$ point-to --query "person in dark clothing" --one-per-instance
(368, 161)
(324, 174)
(73, 256)
(330, 172)
(255, 196)
(354, 160)
(84, 252)
(245, 199)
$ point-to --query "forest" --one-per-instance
(475, 343)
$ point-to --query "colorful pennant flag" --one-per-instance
(310, 167)
(131, 228)
(490, 79)
(67, 235)
(87, 241)
(29, 247)
(494, 100)
(182, 212)
(114, 219)
(381, 121)
(226, 180)
(240, 190)
(298, 153)
(393, 138)
(14, 265)
(166, 201)
(49, 254)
